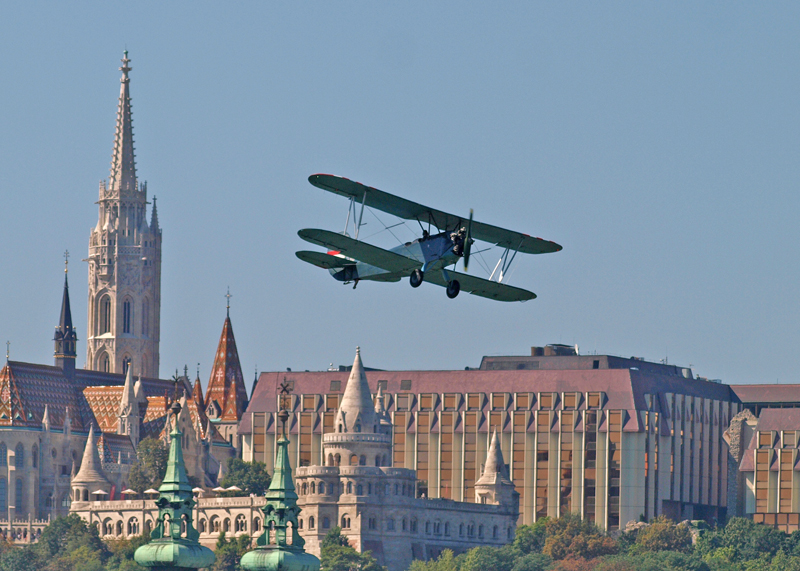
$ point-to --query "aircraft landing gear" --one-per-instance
(416, 278)
(453, 288)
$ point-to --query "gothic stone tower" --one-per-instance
(124, 262)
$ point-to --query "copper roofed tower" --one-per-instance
(226, 396)
(280, 547)
(175, 540)
(65, 337)
(124, 262)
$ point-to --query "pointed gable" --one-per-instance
(12, 411)
(226, 385)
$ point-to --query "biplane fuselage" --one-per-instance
(433, 252)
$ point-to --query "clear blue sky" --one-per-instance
(657, 142)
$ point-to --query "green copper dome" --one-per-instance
(280, 547)
(174, 546)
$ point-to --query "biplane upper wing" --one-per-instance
(482, 287)
(361, 251)
(409, 210)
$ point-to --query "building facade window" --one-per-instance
(127, 316)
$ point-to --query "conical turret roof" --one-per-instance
(91, 471)
(226, 385)
(357, 411)
(494, 471)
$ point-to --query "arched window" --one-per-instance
(127, 316)
(326, 523)
(340, 427)
(494, 532)
(378, 460)
(349, 487)
(3, 454)
(446, 528)
(3, 496)
(300, 523)
(104, 363)
(357, 427)
(360, 490)
(133, 526)
(66, 501)
(119, 528)
(145, 317)
(256, 524)
(330, 459)
(396, 488)
(105, 315)
(353, 460)
(461, 530)
(241, 523)
(362, 461)
(19, 499)
(322, 487)
(369, 488)
(428, 527)
(126, 362)
(385, 461)
(19, 456)
(480, 531)
(35, 456)
(201, 526)
(405, 524)
(226, 525)
(337, 460)
(313, 487)
(345, 521)
(85, 495)
(311, 522)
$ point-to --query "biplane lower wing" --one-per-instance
(361, 251)
(481, 287)
(324, 261)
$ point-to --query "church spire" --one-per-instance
(123, 159)
(65, 336)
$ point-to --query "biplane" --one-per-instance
(427, 258)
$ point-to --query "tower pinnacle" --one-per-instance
(123, 160)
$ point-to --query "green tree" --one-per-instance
(337, 555)
(151, 464)
(664, 535)
(122, 551)
(445, 562)
(66, 535)
(497, 559)
(19, 559)
(230, 552)
(744, 540)
(571, 537)
(251, 477)
(532, 562)
(530, 538)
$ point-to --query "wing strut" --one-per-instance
(361, 215)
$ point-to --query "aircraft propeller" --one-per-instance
(468, 242)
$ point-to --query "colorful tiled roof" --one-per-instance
(226, 385)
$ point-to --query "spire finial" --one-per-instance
(125, 67)
(285, 402)
(228, 305)
(358, 350)
(66, 261)
(8, 348)
(198, 370)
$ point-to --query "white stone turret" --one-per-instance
(494, 486)
(90, 478)
(356, 412)
(381, 414)
(357, 439)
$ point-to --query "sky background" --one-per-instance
(656, 142)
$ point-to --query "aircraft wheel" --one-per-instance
(453, 288)
(416, 278)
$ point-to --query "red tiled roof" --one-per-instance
(767, 393)
(226, 384)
